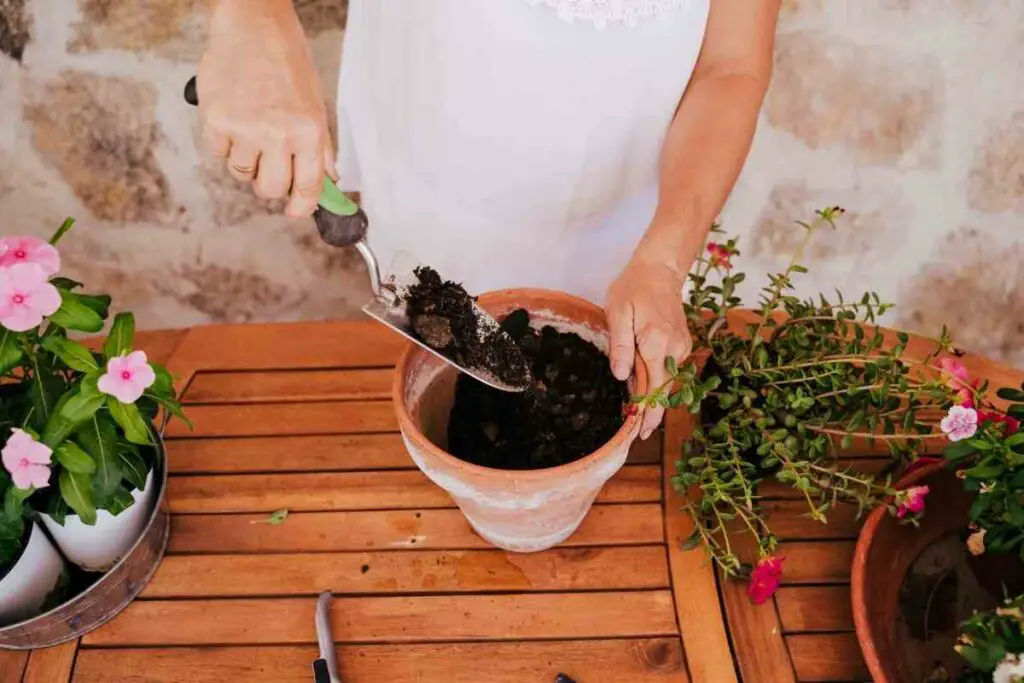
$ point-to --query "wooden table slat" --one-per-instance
(290, 385)
(815, 608)
(476, 571)
(282, 419)
(358, 491)
(12, 665)
(589, 661)
(821, 657)
(52, 664)
(790, 521)
(817, 562)
(394, 619)
(390, 530)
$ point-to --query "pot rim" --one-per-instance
(411, 431)
(858, 575)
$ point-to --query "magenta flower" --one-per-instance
(960, 423)
(14, 250)
(127, 377)
(765, 579)
(720, 255)
(911, 501)
(27, 460)
(958, 379)
(1012, 424)
(26, 297)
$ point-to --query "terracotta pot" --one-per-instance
(523, 511)
(885, 551)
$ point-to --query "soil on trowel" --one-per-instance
(939, 592)
(574, 407)
(442, 316)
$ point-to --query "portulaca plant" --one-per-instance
(76, 424)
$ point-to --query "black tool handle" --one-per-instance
(191, 94)
(320, 672)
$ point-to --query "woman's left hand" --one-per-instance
(645, 312)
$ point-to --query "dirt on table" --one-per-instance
(575, 407)
(442, 315)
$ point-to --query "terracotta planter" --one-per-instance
(885, 552)
(522, 511)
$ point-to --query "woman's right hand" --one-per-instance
(260, 102)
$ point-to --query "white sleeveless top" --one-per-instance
(512, 143)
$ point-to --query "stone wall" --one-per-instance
(909, 113)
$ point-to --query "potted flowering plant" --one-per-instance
(780, 394)
(968, 554)
(31, 569)
(78, 422)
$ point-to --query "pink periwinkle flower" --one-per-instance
(720, 255)
(26, 297)
(960, 423)
(127, 377)
(958, 379)
(911, 501)
(14, 250)
(765, 579)
(27, 460)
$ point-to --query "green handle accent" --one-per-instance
(334, 200)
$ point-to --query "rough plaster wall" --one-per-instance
(908, 113)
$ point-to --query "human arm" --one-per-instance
(261, 106)
(704, 150)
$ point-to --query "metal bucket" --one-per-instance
(112, 592)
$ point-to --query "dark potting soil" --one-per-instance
(442, 316)
(940, 590)
(575, 407)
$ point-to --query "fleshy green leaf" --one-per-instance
(163, 386)
(133, 467)
(10, 350)
(122, 333)
(100, 303)
(127, 415)
(275, 518)
(119, 502)
(75, 314)
(74, 354)
(75, 409)
(98, 438)
(72, 457)
(76, 489)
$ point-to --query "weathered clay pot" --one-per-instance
(523, 511)
(884, 554)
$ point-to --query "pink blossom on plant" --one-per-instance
(720, 255)
(27, 460)
(14, 250)
(127, 377)
(26, 297)
(959, 380)
(765, 579)
(960, 423)
(911, 501)
(1012, 424)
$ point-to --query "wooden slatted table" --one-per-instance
(298, 417)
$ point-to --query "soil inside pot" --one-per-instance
(442, 316)
(575, 407)
(940, 591)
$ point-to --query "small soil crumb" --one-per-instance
(443, 317)
(574, 408)
(938, 593)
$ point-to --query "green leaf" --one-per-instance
(133, 466)
(75, 314)
(119, 502)
(122, 332)
(75, 409)
(72, 457)
(1010, 394)
(46, 390)
(62, 230)
(275, 518)
(98, 438)
(127, 415)
(76, 489)
(100, 303)
(1016, 411)
(959, 450)
(74, 354)
(10, 350)
(670, 365)
(65, 283)
(692, 541)
(163, 386)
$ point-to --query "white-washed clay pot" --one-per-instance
(24, 589)
(97, 548)
(522, 511)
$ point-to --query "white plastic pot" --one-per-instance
(97, 548)
(24, 589)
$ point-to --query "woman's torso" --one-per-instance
(506, 146)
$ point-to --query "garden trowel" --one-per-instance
(342, 223)
(325, 668)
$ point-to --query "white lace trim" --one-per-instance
(601, 12)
